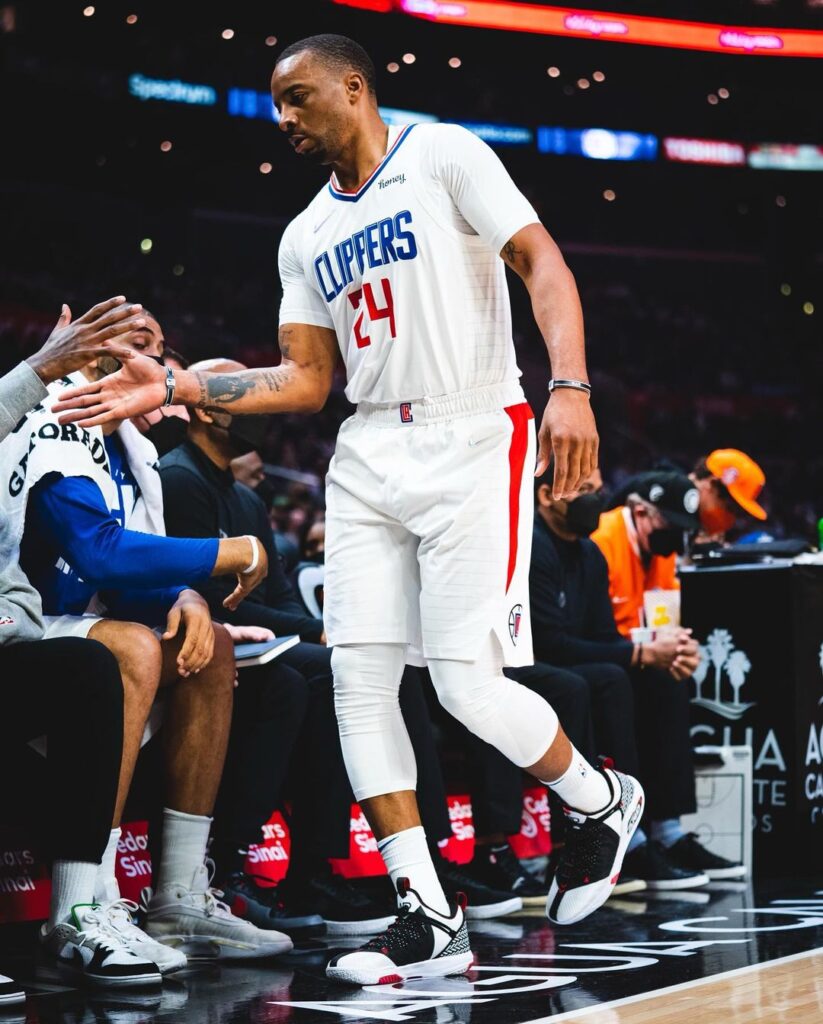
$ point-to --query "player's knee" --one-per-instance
(468, 691)
(366, 685)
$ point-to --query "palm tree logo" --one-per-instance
(702, 670)
(820, 662)
(737, 668)
(719, 654)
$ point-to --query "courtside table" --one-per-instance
(760, 683)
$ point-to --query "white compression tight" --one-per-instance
(376, 747)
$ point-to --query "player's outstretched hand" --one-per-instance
(74, 343)
(139, 387)
(569, 433)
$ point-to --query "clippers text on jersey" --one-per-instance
(382, 242)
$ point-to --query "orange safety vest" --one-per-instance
(628, 580)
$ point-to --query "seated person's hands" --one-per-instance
(192, 612)
(236, 556)
(248, 634)
(688, 656)
(676, 652)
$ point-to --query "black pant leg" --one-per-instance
(71, 690)
(612, 703)
(567, 693)
(664, 743)
(431, 787)
(269, 709)
(319, 785)
(497, 784)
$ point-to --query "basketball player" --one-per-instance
(429, 520)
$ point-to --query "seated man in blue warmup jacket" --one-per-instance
(94, 546)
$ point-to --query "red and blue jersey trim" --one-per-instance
(352, 197)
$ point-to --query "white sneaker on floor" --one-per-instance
(193, 918)
(420, 943)
(120, 913)
(590, 864)
(87, 948)
(10, 992)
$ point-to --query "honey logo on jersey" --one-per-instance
(398, 179)
(719, 659)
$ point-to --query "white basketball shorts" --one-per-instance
(429, 526)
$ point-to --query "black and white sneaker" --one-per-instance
(272, 907)
(627, 883)
(589, 866)
(483, 901)
(652, 863)
(10, 992)
(345, 909)
(689, 853)
(499, 868)
(89, 949)
(420, 943)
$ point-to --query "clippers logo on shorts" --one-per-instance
(515, 618)
(406, 413)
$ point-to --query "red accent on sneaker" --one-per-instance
(614, 879)
(239, 906)
(607, 762)
(384, 950)
(462, 900)
(403, 886)
(389, 979)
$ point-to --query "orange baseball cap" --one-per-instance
(741, 476)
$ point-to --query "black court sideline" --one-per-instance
(526, 970)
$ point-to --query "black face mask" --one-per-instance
(247, 433)
(583, 514)
(167, 433)
(666, 542)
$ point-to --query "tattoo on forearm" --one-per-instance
(227, 388)
(218, 390)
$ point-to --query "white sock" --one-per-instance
(406, 855)
(72, 883)
(106, 888)
(581, 787)
(185, 838)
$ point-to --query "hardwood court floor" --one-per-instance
(732, 953)
(789, 990)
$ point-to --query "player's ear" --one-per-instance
(355, 86)
(544, 496)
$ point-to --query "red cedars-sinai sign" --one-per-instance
(25, 888)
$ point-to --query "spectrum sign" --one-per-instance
(704, 151)
(172, 91)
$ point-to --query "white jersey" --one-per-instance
(406, 270)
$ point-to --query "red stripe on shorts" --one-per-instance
(520, 415)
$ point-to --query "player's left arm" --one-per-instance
(568, 429)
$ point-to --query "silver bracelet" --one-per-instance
(171, 385)
(255, 544)
(575, 385)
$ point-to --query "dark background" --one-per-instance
(692, 345)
